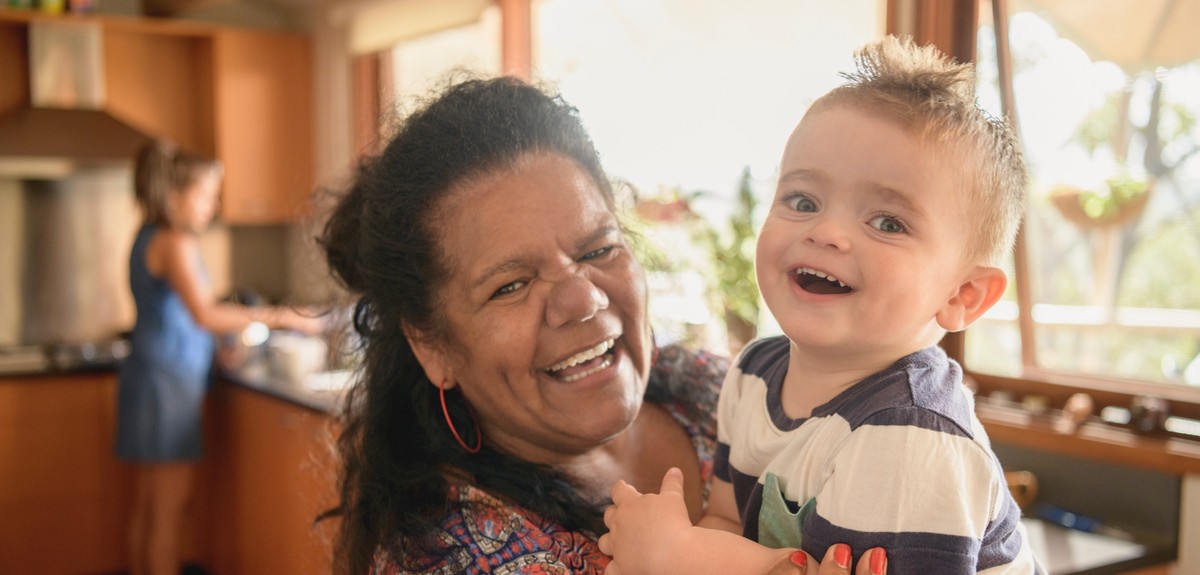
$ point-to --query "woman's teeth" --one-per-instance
(585, 355)
(600, 350)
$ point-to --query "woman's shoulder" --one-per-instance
(484, 534)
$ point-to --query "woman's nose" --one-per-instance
(574, 299)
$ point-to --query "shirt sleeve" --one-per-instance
(914, 483)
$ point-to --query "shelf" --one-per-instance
(1093, 440)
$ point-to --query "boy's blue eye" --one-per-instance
(800, 203)
(888, 225)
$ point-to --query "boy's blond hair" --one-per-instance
(932, 96)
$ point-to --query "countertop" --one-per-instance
(320, 391)
(1065, 551)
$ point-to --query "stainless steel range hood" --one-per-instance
(66, 128)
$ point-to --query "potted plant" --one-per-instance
(732, 255)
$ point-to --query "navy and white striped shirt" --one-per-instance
(898, 461)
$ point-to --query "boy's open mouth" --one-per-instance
(584, 363)
(819, 282)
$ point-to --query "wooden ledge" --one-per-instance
(1093, 440)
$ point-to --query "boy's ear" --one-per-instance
(431, 354)
(982, 288)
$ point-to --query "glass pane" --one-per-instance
(420, 64)
(1107, 102)
(681, 97)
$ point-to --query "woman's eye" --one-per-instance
(800, 203)
(598, 253)
(888, 225)
(508, 288)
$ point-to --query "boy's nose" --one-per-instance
(574, 299)
(829, 232)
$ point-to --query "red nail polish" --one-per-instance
(799, 558)
(878, 561)
(841, 555)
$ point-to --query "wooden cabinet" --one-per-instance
(263, 105)
(270, 472)
(65, 499)
(240, 94)
(63, 496)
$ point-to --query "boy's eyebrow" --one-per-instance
(893, 196)
(805, 175)
(518, 263)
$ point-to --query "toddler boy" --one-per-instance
(897, 200)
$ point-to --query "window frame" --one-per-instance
(952, 26)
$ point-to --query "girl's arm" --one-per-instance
(175, 256)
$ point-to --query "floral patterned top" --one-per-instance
(484, 534)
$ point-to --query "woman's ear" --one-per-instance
(431, 354)
(981, 289)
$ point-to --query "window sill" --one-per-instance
(1093, 440)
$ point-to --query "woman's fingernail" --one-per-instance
(878, 561)
(799, 558)
(841, 555)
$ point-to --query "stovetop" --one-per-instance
(57, 357)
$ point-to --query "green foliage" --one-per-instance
(1162, 270)
(733, 255)
(1122, 190)
(1099, 127)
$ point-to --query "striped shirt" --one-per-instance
(899, 461)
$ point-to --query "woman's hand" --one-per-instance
(837, 562)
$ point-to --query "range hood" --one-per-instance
(66, 127)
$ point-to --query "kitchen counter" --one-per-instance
(1065, 551)
(321, 391)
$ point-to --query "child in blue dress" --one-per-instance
(162, 384)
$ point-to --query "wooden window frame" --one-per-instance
(951, 26)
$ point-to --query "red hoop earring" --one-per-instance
(478, 433)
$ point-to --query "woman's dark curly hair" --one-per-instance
(381, 242)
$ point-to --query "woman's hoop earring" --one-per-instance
(478, 433)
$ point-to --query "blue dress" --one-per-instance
(162, 383)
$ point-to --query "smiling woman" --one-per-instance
(507, 350)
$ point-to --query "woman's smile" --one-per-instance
(587, 362)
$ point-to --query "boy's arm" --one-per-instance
(722, 512)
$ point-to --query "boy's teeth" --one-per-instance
(821, 275)
(583, 356)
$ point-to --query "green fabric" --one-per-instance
(778, 527)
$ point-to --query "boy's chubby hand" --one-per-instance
(644, 528)
(651, 534)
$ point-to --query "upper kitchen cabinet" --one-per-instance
(241, 94)
(161, 82)
(263, 105)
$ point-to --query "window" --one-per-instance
(420, 64)
(1107, 100)
(682, 97)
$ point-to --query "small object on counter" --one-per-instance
(52, 6)
(1024, 486)
(1062, 517)
(1148, 413)
(1034, 403)
(1078, 408)
(255, 334)
(1001, 397)
(1115, 415)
